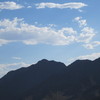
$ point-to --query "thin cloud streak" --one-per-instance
(10, 5)
(71, 5)
(17, 58)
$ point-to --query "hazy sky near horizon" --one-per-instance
(61, 30)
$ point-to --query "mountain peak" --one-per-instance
(42, 61)
(77, 62)
(50, 63)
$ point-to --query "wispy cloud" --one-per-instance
(71, 5)
(4, 68)
(10, 5)
(29, 6)
(92, 57)
(87, 34)
(92, 45)
(17, 58)
(81, 22)
(3, 41)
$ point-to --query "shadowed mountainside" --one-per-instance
(51, 80)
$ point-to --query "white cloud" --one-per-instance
(86, 35)
(92, 45)
(3, 41)
(17, 58)
(92, 56)
(10, 5)
(50, 25)
(29, 6)
(18, 30)
(68, 30)
(81, 22)
(5, 68)
(71, 5)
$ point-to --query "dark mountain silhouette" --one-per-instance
(51, 80)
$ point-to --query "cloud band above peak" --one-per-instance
(71, 5)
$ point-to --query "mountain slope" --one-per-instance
(17, 82)
(78, 81)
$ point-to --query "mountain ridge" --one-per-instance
(44, 77)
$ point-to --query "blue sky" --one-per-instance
(31, 30)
